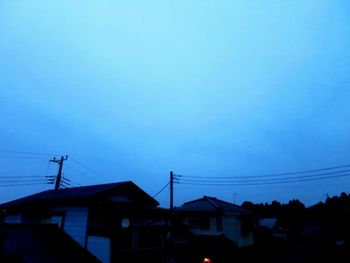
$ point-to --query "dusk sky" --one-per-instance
(131, 90)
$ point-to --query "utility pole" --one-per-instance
(59, 174)
(171, 190)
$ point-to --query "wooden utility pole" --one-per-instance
(59, 174)
(171, 190)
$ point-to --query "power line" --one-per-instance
(74, 184)
(248, 180)
(25, 176)
(263, 183)
(161, 190)
(47, 168)
(85, 166)
(38, 155)
(27, 153)
(271, 175)
(82, 174)
(68, 183)
(22, 157)
(66, 179)
(23, 180)
(14, 185)
(65, 183)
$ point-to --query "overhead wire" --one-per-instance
(280, 178)
(33, 180)
(274, 174)
(27, 153)
(24, 184)
(22, 157)
(11, 154)
(85, 166)
(74, 184)
(47, 168)
(80, 173)
(89, 170)
(69, 182)
(161, 190)
(263, 183)
(25, 180)
(248, 178)
(24, 176)
(66, 179)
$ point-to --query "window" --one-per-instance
(202, 223)
(57, 219)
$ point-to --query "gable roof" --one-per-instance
(212, 204)
(41, 243)
(86, 194)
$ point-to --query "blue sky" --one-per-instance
(134, 89)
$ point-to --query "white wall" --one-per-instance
(100, 247)
(211, 231)
(13, 219)
(75, 223)
(231, 227)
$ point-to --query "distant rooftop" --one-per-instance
(212, 204)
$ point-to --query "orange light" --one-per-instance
(207, 260)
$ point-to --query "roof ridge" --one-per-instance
(209, 199)
(81, 193)
(91, 185)
(226, 202)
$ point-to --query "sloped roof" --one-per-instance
(41, 243)
(85, 194)
(212, 204)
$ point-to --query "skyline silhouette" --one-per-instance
(132, 91)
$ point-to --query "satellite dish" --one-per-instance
(125, 223)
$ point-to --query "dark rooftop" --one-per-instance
(83, 194)
(40, 244)
(212, 204)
